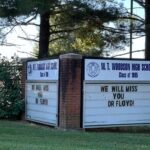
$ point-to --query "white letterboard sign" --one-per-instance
(116, 70)
(42, 102)
(43, 70)
(116, 104)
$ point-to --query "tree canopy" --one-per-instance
(88, 24)
(87, 30)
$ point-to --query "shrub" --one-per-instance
(11, 101)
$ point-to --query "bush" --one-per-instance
(11, 101)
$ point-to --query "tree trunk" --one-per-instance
(44, 35)
(147, 22)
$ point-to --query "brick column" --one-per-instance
(70, 91)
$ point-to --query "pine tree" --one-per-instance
(88, 33)
(70, 16)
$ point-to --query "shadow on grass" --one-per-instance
(133, 129)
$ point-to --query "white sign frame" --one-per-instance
(107, 72)
(42, 107)
(104, 109)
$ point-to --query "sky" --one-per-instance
(138, 44)
(25, 48)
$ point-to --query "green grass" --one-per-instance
(23, 136)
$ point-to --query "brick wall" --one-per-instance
(70, 91)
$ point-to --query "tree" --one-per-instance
(71, 16)
(90, 36)
(87, 30)
(11, 101)
(20, 12)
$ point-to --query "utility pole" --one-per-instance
(147, 22)
(131, 27)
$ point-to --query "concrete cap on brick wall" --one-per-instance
(71, 56)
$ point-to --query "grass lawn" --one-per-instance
(23, 136)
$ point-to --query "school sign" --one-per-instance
(116, 92)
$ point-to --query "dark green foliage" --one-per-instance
(77, 25)
(11, 101)
(90, 28)
(13, 8)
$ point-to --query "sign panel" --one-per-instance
(116, 104)
(43, 70)
(42, 102)
(116, 70)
